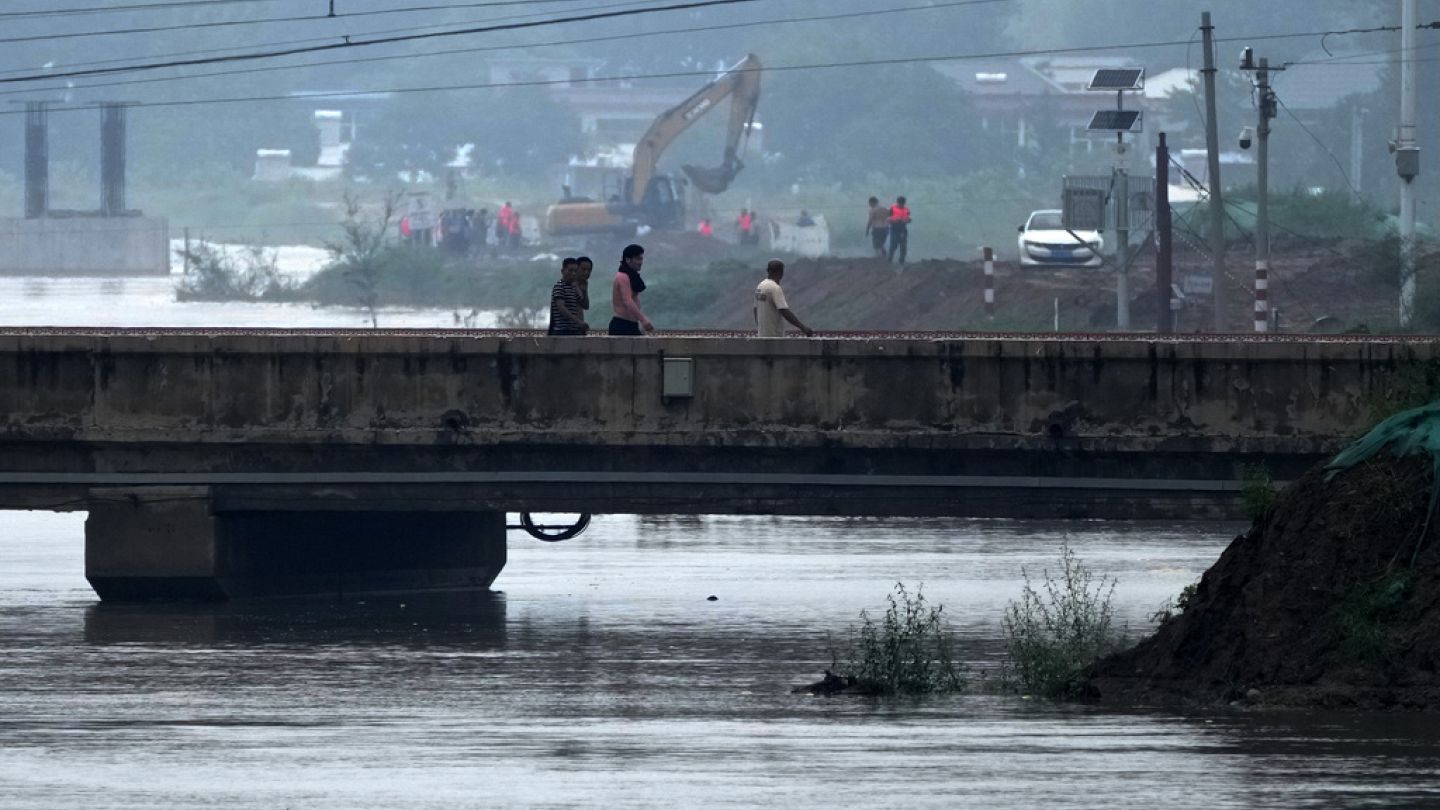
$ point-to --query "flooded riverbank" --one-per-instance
(603, 676)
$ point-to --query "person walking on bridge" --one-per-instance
(629, 319)
(566, 315)
(878, 227)
(771, 309)
(899, 229)
(583, 267)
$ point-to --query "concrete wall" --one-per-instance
(398, 388)
(85, 246)
(411, 404)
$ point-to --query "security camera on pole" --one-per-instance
(1267, 109)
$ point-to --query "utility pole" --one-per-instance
(1164, 267)
(1217, 201)
(1266, 110)
(1122, 248)
(1357, 149)
(1407, 161)
(1262, 206)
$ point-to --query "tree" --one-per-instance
(901, 120)
(517, 131)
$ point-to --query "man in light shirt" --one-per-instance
(771, 310)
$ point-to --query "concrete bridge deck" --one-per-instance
(248, 426)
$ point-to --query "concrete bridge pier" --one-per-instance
(170, 544)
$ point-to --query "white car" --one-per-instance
(1043, 242)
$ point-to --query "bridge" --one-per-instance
(217, 464)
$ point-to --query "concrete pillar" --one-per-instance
(159, 545)
(163, 546)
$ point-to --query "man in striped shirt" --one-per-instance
(566, 315)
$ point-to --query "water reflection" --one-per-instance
(474, 620)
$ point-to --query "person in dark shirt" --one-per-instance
(583, 267)
(566, 316)
(899, 229)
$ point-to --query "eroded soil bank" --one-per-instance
(1331, 599)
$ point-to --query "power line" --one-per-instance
(686, 74)
(1347, 58)
(349, 42)
(491, 48)
(1344, 174)
(175, 4)
(158, 29)
(331, 38)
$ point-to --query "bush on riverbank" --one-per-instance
(400, 275)
(215, 274)
(1052, 634)
(908, 651)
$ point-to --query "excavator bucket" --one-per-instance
(716, 180)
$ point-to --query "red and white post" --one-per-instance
(1262, 296)
(989, 282)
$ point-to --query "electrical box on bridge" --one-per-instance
(678, 378)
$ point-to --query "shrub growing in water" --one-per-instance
(212, 274)
(908, 651)
(1053, 633)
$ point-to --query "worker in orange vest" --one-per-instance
(705, 229)
(746, 225)
(514, 229)
(503, 224)
(899, 229)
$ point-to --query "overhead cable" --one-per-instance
(492, 48)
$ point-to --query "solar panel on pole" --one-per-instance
(1112, 79)
(1116, 121)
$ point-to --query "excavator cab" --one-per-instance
(658, 200)
(663, 206)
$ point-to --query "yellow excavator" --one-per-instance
(648, 197)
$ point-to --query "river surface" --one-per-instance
(601, 675)
(150, 301)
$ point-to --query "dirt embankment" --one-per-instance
(1318, 604)
(1322, 287)
(837, 294)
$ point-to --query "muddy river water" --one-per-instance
(602, 676)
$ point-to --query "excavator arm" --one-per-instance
(742, 84)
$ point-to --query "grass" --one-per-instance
(1257, 491)
(1058, 629)
(1172, 608)
(908, 651)
(1408, 383)
(1364, 615)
